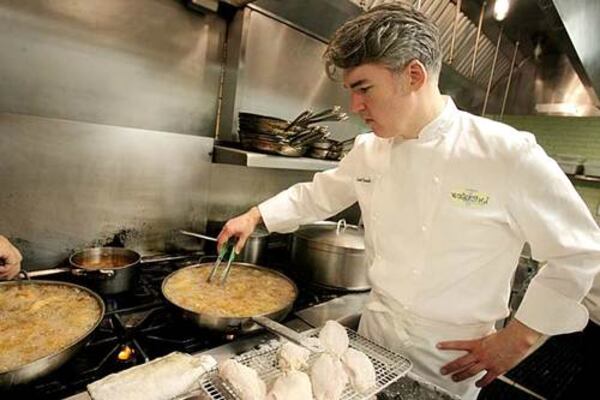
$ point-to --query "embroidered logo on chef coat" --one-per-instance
(364, 180)
(470, 198)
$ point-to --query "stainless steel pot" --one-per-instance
(330, 255)
(231, 324)
(44, 366)
(255, 247)
(109, 270)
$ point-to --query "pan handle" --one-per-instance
(44, 272)
(291, 335)
(159, 259)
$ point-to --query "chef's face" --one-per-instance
(383, 98)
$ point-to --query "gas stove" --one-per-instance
(138, 326)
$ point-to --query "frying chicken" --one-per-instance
(334, 338)
(244, 380)
(360, 370)
(328, 377)
(293, 385)
(292, 357)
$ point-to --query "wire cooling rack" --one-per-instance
(389, 367)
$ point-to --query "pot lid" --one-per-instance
(327, 233)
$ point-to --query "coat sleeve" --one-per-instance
(329, 192)
(549, 213)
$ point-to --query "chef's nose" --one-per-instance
(356, 103)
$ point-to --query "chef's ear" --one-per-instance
(417, 74)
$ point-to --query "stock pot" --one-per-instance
(331, 255)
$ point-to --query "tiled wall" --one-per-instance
(567, 135)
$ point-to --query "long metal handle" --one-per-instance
(291, 335)
(198, 235)
(517, 386)
(47, 272)
(159, 259)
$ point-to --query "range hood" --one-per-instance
(578, 33)
(573, 27)
(458, 34)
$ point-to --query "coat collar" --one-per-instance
(438, 127)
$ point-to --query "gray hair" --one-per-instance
(391, 34)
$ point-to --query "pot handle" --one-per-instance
(291, 335)
(341, 226)
(101, 273)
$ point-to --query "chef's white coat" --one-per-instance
(446, 216)
(592, 301)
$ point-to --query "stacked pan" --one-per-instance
(330, 149)
(282, 137)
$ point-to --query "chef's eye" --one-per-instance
(365, 89)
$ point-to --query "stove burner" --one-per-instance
(138, 326)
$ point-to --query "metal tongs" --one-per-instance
(228, 248)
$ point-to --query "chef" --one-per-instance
(10, 259)
(448, 200)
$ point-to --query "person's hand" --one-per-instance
(10, 259)
(241, 227)
(495, 353)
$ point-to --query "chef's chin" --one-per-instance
(382, 133)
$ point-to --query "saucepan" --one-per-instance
(107, 270)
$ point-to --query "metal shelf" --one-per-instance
(229, 155)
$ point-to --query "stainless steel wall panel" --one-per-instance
(67, 185)
(148, 64)
(280, 73)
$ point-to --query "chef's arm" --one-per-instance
(550, 215)
(329, 192)
(10, 259)
(546, 211)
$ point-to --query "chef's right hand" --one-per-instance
(241, 227)
(10, 259)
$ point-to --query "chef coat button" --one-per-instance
(436, 179)
(424, 228)
(416, 271)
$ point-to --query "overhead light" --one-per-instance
(501, 9)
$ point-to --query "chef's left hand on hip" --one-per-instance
(495, 354)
